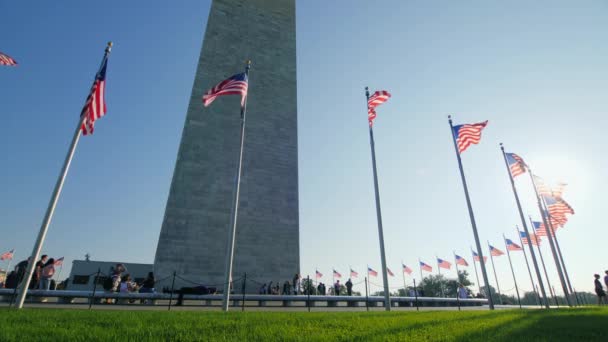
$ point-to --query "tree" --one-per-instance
(439, 286)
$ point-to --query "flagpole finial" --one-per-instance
(109, 47)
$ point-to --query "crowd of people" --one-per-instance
(44, 271)
(599, 289)
(120, 281)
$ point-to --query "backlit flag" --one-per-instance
(425, 267)
(407, 269)
(495, 251)
(371, 272)
(318, 274)
(540, 228)
(468, 134)
(388, 270)
(337, 275)
(557, 206)
(376, 99)
(234, 85)
(533, 237)
(58, 262)
(443, 264)
(512, 246)
(8, 255)
(95, 105)
(541, 187)
(476, 257)
(516, 164)
(6, 60)
(558, 190)
(460, 261)
(353, 274)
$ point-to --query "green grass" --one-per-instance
(589, 324)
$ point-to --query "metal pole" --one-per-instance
(53, 202)
(416, 295)
(523, 249)
(244, 290)
(420, 267)
(475, 268)
(439, 273)
(561, 258)
(308, 291)
(471, 216)
(58, 276)
(495, 277)
(235, 205)
(94, 288)
(366, 294)
(387, 299)
(542, 260)
(512, 272)
(525, 225)
(171, 293)
(546, 220)
(404, 285)
(456, 266)
(556, 300)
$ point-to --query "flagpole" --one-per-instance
(525, 225)
(495, 277)
(456, 265)
(235, 205)
(420, 268)
(472, 217)
(53, 202)
(404, 285)
(528, 265)
(387, 300)
(475, 267)
(58, 276)
(439, 273)
(542, 260)
(550, 238)
(513, 272)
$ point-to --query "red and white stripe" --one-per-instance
(469, 134)
(495, 251)
(230, 86)
(7, 60)
(8, 255)
(461, 261)
(376, 99)
(390, 273)
(337, 275)
(407, 270)
(444, 264)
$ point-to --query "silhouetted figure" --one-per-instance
(349, 287)
(599, 290)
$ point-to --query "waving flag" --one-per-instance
(377, 98)
(59, 262)
(443, 264)
(460, 261)
(353, 274)
(476, 257)
(495, 251)
(533, 237)
(318, 274)
(234, 85)
(558, 190)
(468, 134)
(557, 207)
(407, 269)
(95, 105)
(372, 272)
(516, 164)
(8, 255)
(512, 246)
(388, 270)
(425, 267)
(337, 275)
(6, 60)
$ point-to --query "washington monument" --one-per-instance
(194, 235)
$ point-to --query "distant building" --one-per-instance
(83, 273)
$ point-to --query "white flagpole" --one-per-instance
(52, 204)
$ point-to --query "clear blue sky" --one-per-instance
(537, 71)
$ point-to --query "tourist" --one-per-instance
(262, 289)
(606, 279)
(462, 292)
(286, 288)
(296, 284)
(599, 290)
(148, 285)
(349, 287)
(46, 274)
(269, 289)
(337, 288)
(319, 288)
(38, 271)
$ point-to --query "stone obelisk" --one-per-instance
(194, 233)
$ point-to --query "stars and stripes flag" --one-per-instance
(58, 262)
(495, 251)
(318, 274)
(461, 261)
(558, 190)
(7, 60)
(95, 105)
(516, 164)
(557, 206)
(353, 274)
(337, 274)
(376, 99)
(390, 273)
(233, 85)
(444, 264)
(371, 272)
(468, 134)
(512, 246)
(543, 189)
(476, 257)
(540, 228)
(8, 255)
(407, 269)
(425, 267)
(533, 237)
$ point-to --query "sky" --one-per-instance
(536, 70)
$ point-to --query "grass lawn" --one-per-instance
(588, 324)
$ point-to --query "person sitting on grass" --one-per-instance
(599, 290)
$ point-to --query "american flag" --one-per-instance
(495, 251)
(540, 228)
(533, 237)
(444, 264)
(6, 60)
(388, 270)
(468, 134)
(558, 190)
(58, 262)
(371, 272)
(541, 187)
(318, 274)
(425, 267)
(337, 275)
(512, 246)
(460, 261)
(476, 257)
(407, 269)
(353, 274)
(557, 206)
(95, 106)
(377, 98)
(8, 255)
(234, 85)
(516, 164)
